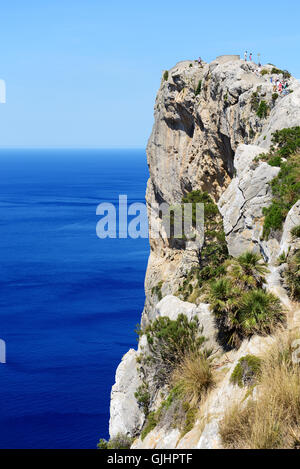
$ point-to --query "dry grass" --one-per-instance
(271, 421)
(195, 377)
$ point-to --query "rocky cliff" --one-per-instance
(209, 132)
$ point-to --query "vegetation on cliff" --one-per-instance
(272, 420)
(292, 275)
(121, 441)
(284, 153)
(247, 371)
(176, 358)
(241, 306)
(169, 341)
(213, 251)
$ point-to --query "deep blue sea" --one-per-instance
(69, 302)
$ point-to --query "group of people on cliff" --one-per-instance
(280, 86)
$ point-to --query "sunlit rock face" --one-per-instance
(206, 136)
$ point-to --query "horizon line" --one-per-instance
(72, 148)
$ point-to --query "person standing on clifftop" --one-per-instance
(246, 56)
(250, 57)
(200, 61)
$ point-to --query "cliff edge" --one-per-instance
(213, 134)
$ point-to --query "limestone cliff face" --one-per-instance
(193, 143)
(206, 136)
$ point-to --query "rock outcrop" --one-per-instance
(207, 136)
(125, 414)
(242, 203)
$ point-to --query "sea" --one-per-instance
(69, 301)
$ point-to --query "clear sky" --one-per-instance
(84, 73)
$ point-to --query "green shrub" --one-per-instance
(166, 75)
(214, 250)
(287, 141)
(174, 412)
(296, 231)
(169, 341)
(242, 308)
(276, 71)
(286, 186)
(255, 100)
(292, 275)
(286, 192)
(156, 290)
(149, 425)
(142, 396)
(102, 444)
(121, 441)
(274, 218)
(190, 420)
(199, 87)
(258, 312)
(263, 110)
(282, 259)
(275, 161)
(251, 133)
(285, 73)
(246, 371)
(264, 72)
(275, 96)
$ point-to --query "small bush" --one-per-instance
(264, 72)
(282, 259)
(276, 71)
(263, 110)
(174, 412)
(240, 304)
(292, 275)
(287, 141)
(258, 312)
(255, 101)
(285, 190)
(166, 75)
(214, 250)
(194, 376)
(275, 96)
(247, 271)
(251, 133)
(246, 371)
(190, 420)
(274, 218)
(169, 341)
(156, 291)
(149, 425)
(142, 396)
(275, 161)
(295, 232)
(102, 444)
(199, 87)
(121, 441)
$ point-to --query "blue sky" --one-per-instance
(84, 73)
